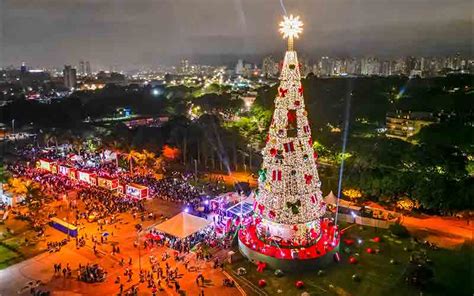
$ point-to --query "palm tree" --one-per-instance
(132, 156)
(48, 138)
(158, 164)
(115, 146)
(33, 195)
(29, 189)
(149, 158)
(77, 144)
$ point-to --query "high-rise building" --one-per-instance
(326, 66)
(270, 67)
(239, 68)
(370, 66)
(82, 68)
(304, 66)
(339, 67)
(184, 69)
(352, 67)
(88, 68)
(70, 77)
(23, 68)
(386, 68)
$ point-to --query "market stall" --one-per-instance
(64, 170)
(45, 164)
(72, 174)
(108, 182)
(136, 191)
(87, 177)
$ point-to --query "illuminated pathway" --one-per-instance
(14, 278)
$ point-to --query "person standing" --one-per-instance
(177, 286)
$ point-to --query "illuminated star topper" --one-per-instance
(291, 27)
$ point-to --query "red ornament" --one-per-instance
(310, 141)
(273, 152)
(261, 208)
(282, 92)
(349, 242)
(369, 250)
(353, 260)
(313, 199)
(308, 179)
(291, 115)
(271, 214)
(295, 227)
(262, 283)
(315, 155)
(300, 90)
(297, 103)
(376, 239)
(299, 284)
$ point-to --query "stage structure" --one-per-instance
(288, 230)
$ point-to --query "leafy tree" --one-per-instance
(4, 177)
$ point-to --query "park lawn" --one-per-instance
(453, 270)
(13, 249)
(8, 257)
(377, 275)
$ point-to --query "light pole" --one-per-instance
(139, 251)
(196, 168)
(13, 126)
(241, 214)
(250, 159)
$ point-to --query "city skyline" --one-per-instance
(151, 33)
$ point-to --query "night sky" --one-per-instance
(134, 33)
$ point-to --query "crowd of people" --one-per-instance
(104, 206)
(92, 273)
(102, 203)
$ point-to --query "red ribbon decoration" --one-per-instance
(282, 92)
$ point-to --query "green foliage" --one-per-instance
(214, 103)
(419, 275)
(4, 174)
(452, 133)
(399, 230)
(254, 127)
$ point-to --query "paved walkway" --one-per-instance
(15, 278)
(447, 232)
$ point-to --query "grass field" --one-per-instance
(8, 257)
(12, 244)
(452, 270)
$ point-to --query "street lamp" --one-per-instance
(139, 251)
(196, 168)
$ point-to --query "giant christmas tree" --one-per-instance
(289, 204)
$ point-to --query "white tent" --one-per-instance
(182, 225)
(330, 199)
